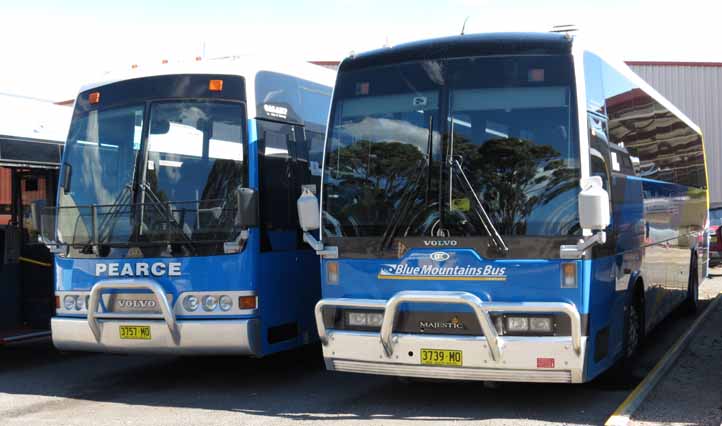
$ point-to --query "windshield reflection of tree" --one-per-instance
(513, 177)
(373, 177)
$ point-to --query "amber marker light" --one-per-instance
(247, 302)
(332, 273)
(215, 85)
(94, 98)
(569, 275)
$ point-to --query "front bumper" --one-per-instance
(488, 357)
(100, 331)
(236, 337)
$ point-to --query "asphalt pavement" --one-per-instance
(39, 385)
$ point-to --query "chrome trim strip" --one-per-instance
(451, 373)
(136, 284)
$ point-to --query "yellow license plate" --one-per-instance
(445, 357)
(139, 332)
(713, 239)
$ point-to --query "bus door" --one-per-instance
(36, 272)
(26, 286)
(284, 269)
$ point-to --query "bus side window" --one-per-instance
(276, 145)
(598, 149)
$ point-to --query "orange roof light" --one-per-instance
(94, 97)
(164, 61)
(215, 85)
(134, 66)
(198, 58)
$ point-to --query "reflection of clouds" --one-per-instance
(435, 71)
(386, 130)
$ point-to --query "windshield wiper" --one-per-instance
(410, 192)
(108, 221)
(159, 206)
(480, 211)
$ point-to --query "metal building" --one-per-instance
(696, 89)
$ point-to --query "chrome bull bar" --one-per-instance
(481, 310)
(167, 313)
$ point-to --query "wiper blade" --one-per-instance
(158, 204)
(480, 211)
(410, 193)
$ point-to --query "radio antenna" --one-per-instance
(463, 27)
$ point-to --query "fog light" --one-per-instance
(517, 324)
(374, 319)
(69, 302)
(190, 303)
(80, 303)
(225, 303)
(210, 303)
(569, 275)
(357, 319)
(541, 325)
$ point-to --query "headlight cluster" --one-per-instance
(525, 325)
(211, 302)
(364, 319)
(75, 302)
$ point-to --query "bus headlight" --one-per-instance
(80, 303)
(190, 303)
(517, 324)
(540, 324)
(225, 303)
(69, 302)
(210, 303)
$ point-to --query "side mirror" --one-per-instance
(246, 207)
(36, 215)
(308, 211)
(594, 205)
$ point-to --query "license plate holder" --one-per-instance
(134, 332)
(441, 357)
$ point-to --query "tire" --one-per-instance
(633, 328)
(691, 304)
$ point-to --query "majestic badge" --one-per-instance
(453, 324)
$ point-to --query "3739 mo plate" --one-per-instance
(443, 357)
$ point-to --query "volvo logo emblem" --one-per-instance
(439, 256)
(124, 303)
(440, 243)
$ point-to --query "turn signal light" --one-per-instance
(57, 302)
(569, 275)
(247, 302)
(215, 85)
(332, 273)
(94, 97)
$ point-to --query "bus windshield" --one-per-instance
(170, 180)
(418, 143)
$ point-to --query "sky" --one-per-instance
(49, 48)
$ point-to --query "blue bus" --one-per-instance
(175, 229)
(502, 207)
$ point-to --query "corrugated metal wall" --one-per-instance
(697, 91)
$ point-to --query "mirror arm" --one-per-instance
(236, 245)
(327, 252)
(578, 250)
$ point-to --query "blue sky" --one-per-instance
(50, 48)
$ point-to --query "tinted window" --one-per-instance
(286, 98)
(594, 83)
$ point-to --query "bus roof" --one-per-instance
(463, 45)
(28, 118)
(520, 43)
(245, 66)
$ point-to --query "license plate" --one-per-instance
(139, 332)
(444, 357)
(713, 239)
